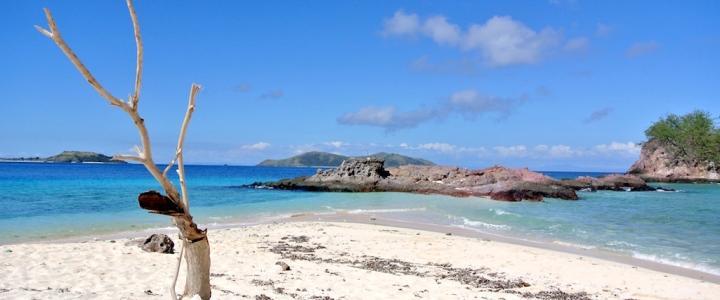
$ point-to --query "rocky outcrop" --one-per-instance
(658, 164)
(614, 182)
(369, 175)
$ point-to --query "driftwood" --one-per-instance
(195, 247)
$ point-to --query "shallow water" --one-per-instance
(50, 201)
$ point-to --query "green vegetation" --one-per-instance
(693, 136)
(324, 159)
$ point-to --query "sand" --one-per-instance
(335, 260)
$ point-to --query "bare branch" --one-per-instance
(177, 270)
(139, 63)
(194, 89)
(44, 31)
(54, 34)
(170, 164)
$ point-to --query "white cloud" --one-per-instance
(554, 151)
(440, 147)
(256, 146)
(629, 148)
(441, 31)
(401, 24)
(516, 151)
(381, 116)
(504, 41)
(471, 102)
(577, 44)
(468, 103)
(500, 40)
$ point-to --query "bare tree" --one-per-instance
(195, 246)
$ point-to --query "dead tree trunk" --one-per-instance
(196, 247)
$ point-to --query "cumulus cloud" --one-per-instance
(517, 150)
(504, 41)
(387, 117)
(274, 94)
(257, 146)
(599, 115)
(471, 103)
(441, 31)
(501, 40)
(629, 148)
(555, 151)
(401, 24)
(577, 44)
(468, 103)
(641, 48)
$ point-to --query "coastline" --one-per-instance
(379, 220)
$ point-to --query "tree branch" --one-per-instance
(139, 62)
(146, 155)
(194, 89)
(177, 270)
(54, 34)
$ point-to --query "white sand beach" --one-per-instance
(334, 260)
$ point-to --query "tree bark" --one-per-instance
(197, 258)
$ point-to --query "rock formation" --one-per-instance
(369, 175)
(658, 164)
(614, 182)
(499, 183)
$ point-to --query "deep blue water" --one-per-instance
(48, 201)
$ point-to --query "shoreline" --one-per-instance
(337, 260)
(376, 219)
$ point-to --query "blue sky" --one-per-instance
(552, 85)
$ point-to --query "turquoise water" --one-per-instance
(50, 201)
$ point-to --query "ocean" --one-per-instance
(43, 201)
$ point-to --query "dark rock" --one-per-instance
(614, 182)
(283, 266)
(160, 243)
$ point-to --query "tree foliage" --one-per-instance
(692, 136)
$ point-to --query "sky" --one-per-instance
(549, 85)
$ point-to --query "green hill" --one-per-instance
(325, 159)
(81, 157)
(70, 157)
(307, 159)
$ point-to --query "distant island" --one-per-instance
(68, 157)
(325, 159)
(681, 149)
